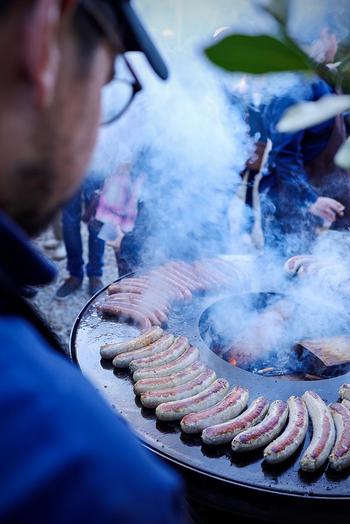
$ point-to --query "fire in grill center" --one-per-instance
(260, 333)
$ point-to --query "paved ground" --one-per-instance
(61, 314)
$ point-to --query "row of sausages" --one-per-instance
(170, 378)
(146, 300)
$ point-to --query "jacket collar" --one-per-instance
(21, 262)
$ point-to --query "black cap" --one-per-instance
(121, 16)
(136, 37)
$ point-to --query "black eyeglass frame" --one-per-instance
(136, 88)
(110, 33)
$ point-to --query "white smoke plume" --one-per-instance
(198, 143)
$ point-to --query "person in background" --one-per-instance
(66, 457)
(158, 234)
(72, 216)
(302, 190)
(118, 203)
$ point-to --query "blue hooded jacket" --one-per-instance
(65, 456)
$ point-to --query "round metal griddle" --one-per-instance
(241, 483)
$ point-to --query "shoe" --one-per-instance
(59, 253)
(95, 285)
(69, 286)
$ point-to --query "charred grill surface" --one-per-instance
(241, 484)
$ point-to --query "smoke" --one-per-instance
(191, 143)
(190, 138)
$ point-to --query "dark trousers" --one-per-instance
(71, 222)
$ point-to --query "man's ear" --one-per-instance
(41, 45)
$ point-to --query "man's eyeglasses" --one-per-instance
(119, 93)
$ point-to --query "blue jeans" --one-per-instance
(71, 223)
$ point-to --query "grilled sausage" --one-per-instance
(109, 305)
(231, 406)
(323, 432)
(127, 283)
(152, 399)
(174, 279)
(126, 312)
(292, 437)
(138, 300)
(115, 289)
(262, 433)
(223, 433)
(146, 338)
(170, 381)
(173, 352)
(145, 289)
(190, 273)
(339, 458)
(191, 283)
(186, 359)
(161, 281)
(179, 408)
(122, 360)
(206, 275)
(344, 391)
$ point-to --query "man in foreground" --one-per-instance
(65, 457)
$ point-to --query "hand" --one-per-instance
(327, 208)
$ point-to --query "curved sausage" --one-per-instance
(262, 433)
(339, 458)
(159, 279)
(109, 305)
(212, 280)
(148, 337)
(216, 272)
(159, 285)
(323, 432)
(145, 289)
(160, 311)
(177, 409)
(152, 399)
(186, 359)
(293, 436)
(191, 283)
(228, 408)
(173, 352)
(223, 433)
(126, 283)
(127, 312)
(170, 381)
(146, 298)
(122, 360)
(179, 278)
(191, 273)
(232, 272)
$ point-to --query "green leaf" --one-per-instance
(342, 158)
(307, 114)
(257, 55)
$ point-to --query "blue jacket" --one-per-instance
(291, 151)
(65, 456)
